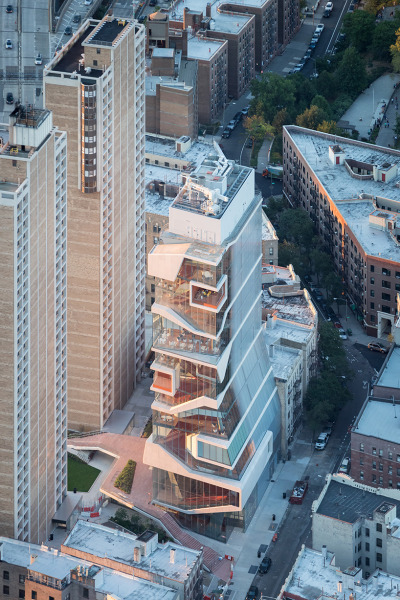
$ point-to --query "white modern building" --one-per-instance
(33, 265)
(96, 90)
(216, 413)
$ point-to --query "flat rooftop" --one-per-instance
(282, 360)
(390, 376)
(224, 22)
(203, 48)
(109, 32)
(126, 587)
(268, 230)
(346, 190)
(294, 308)
(67, 61)
(347, 503)
(380, 419)
(314, 578)
(97, 540)
(281, 329)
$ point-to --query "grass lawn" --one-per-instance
(80, 475)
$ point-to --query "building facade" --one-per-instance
(216, 413)
(270, 242)
(375, 443)
(359, 524)
(350, 191)
(95, 87)
(33, 391)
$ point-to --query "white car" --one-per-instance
(329, 6)
(345, 466)
(319, 29)
(87, 2)
(38, 59)
(9, 44)
(322, 441)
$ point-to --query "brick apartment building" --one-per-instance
(375, 444)
(350, 190)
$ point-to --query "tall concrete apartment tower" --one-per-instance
(216, 412)
(33, 345)
(95, 88)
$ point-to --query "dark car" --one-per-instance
(376, 347)
(252, 594)
(9, 8)
(326, 14)
(9, 98)
(249, 143)
(264, 565)
(153, 3)
(76, 19)
(68, 30)
(226, 133)
(142, 18)
(238, 117)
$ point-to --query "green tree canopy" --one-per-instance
(359, 28)
(326, 84)
(257, 128)
(323, 104)
(351, 76)
(273, 92)
(330, 127)
(296, 226)
(384, 36)
(311, 117)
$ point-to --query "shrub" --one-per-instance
(125, 478)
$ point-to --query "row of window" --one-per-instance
(386, 272)
(374, 451)
(380, 468)
(380, 482)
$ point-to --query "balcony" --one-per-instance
(178, 340)
(207, 298)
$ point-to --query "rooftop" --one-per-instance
(224, 21)
(70, 58)
(109, 32)
(390, 376)
(314, 577)
(112, 544)
(293, 308)
(280, 329)
(348, 503)
(353, 196)
(201, 48)
(282, 359)
(380, 419)
(126, 587)
(268, 230)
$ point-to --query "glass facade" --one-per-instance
(215, 318)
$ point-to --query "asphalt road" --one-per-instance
(295, 530)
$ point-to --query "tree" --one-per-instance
(296, 226)
(321, 262)
(384, 36)
(330, 127)
(351, 76)
(331, 349)
(272, 93)
(326, 85)
(333, 285)
(311, 117)
(359, 28)
(395, 52)
(257, 128)
(281, 118)
(323, 104)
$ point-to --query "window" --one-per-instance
(359, 546)
(378, 557)
(153, 288)
(386, 297)
(372, 280)
(361, 447)
(34, 595)
(374, 464)
(372, 318)
(367, 532)
(6, 575)
(372, 293)
(98, 50)
(374, 451)
(398, 472)
(390, 470)
(85, 592)
(361, 475)
(381, 481)
(386, 284)
(366, 561)
(21, 594)
(374, 478)
(271, 251)
(380, 452)
(372, 305)
(397, 286)
(379, 527)
(381, 466)
(390, 483)
(94, 63)
(6, 590)
(51, 598)
(22, 578)
(379, 542)
(367, 546)
(390, 455)
(361, 461)
(398, 458)
(386, 272)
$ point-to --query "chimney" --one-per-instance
(339, 587)
(208, 9)
(172, 556)
(271, 351)
(33, 557)
(185, 16)
(184, 43)
(137, 554)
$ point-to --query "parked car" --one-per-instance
(249, 143)
(9, 45)
(345, 466)
(9, 98)
(326, 14)
(226, 133)
(68, 30)
(231, 125)
(319, 29)
(245, 111)
(88, 2)
(153, 3)
(264, 565)
(351, 8)
(252, 594)
(322, 441)
(38, 59)
(76, 18)
(342, 334)
(376, 347)
(9, 8)
(142, 19)
(329, 6)
(307, 54)
(238, 117)
(338, 325)
(328, 429)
